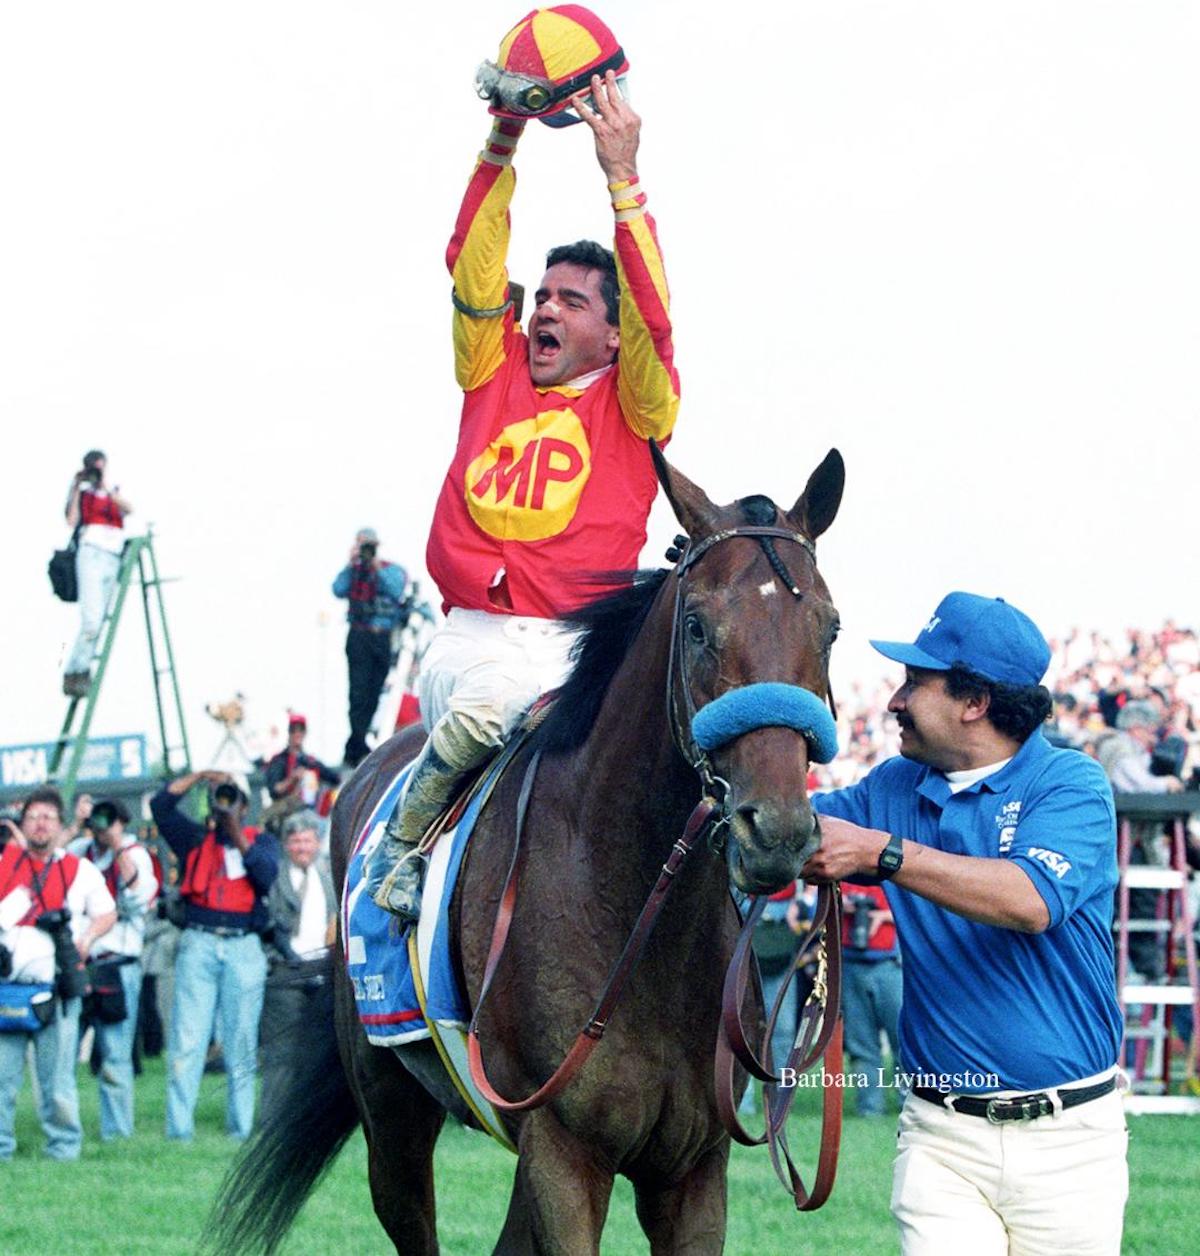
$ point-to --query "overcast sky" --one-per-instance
(957, 241)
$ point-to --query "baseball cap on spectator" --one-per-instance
(985, 635)
(1138, 714)
(296, 720)
(368, 536)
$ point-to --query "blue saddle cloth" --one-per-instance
(376, 944)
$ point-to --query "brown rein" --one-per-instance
(818, 1037)
(819, 1033)
(588, 1038)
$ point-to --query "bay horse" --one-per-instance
(619, 775)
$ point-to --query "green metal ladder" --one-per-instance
(137, 563)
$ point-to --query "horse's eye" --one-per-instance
(694, 629)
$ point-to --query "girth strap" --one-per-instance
(588, 1038)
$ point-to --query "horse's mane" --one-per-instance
(608, 628)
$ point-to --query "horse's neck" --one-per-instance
(648, 788)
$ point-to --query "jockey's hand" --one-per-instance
(615, 127)
(846, 850)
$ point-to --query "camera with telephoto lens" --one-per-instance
(70, 976)
(367, 551)
(861, 907)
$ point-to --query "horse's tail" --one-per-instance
(290, 1152)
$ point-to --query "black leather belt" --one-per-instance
(222, 931)
(1017, 1107)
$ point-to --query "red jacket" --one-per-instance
(17, 867)
(206, 883)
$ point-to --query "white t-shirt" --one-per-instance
(32, 948)
(128, 935)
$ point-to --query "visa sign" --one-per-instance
(120, 758)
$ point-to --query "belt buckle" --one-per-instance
(1027, 1108)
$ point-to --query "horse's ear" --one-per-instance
(817, 507)
(689, 502)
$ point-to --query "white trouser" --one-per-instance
(96, 571)
(1048, 1187)
(487, 669)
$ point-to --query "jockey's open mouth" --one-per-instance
(546, 345)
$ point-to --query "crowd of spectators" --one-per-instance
(1092, 677)
(1142, 691)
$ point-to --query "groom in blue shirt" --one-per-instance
(998, 856)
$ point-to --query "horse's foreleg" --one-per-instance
(689, 1216)
(560, 1194)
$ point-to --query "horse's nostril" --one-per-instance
(749, 815)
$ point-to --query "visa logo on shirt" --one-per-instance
(1052, 859)
(1006, 821)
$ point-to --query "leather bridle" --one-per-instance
(679, 689)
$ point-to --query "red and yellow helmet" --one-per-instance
(549, 56)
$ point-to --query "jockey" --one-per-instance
(551, 483)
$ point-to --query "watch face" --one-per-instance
(890, 860)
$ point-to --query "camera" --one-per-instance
(225, 797)
(70, 976)
(367, 551)
(1167, 758)
(861, 907)
(103, 814)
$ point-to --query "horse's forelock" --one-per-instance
(758, 511)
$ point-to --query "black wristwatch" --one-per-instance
(891, 858)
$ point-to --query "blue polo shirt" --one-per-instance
(987, 1008)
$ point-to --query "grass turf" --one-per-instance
(151, 1196)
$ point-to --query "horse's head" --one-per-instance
(754, 625)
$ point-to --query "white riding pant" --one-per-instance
(1048, 1187)
(483, 671)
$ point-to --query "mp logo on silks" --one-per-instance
(526, 484)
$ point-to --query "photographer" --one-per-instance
(99, 515)
(228, 871)
(375, 589)
(128, 873)
(294, 778)
(871, 987)
(302, 909)
(53, 909)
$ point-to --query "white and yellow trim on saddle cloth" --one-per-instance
(451, 1044)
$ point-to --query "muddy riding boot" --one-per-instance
(396, 869)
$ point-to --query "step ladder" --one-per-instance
(1148, 1006)
(138, 564)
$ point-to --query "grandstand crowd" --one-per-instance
(1092, 678)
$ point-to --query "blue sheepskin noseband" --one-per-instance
(769, 705)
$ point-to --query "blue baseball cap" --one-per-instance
(983, 634)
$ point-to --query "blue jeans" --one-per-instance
(215, 977)
(54, 1051)
(116, 1061)
(870, 1006)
